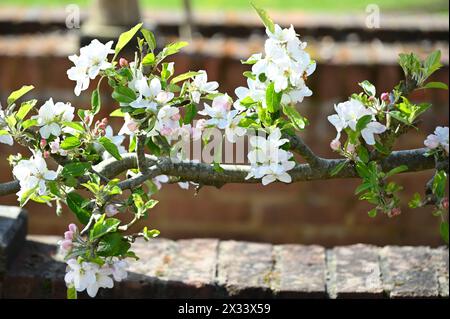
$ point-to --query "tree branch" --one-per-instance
(206, 175)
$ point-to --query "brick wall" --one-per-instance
(318, 212)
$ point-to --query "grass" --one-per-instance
(342, 6)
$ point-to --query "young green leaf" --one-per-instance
(149, 38)
(70, 142)
(104, 226)
(273, 99)
(125, 37)
(14, 96)
(338, 168)
(110, 147)
(190, 113)
(71, 293)
(75, 169)
(265, 18)
(184, 76)
(297, 120)
(149, 59)
(25, 107)
(397, 170)
(435, 85)
(95, 101)
(362, 122)
(76, 204)
(368, 87)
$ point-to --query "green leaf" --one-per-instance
(217, 168)
(435, 85)
(75, 169)
(368, 87)
(416, 201)
(297, 120)
(184, 76)
(14, 96)
(381, 148)
(125, 38)
(432, 63)
(123, 94)
(372, 213)
(70, 142)
(172, 48)
(190, 113)
(29, 123)
(273, 99)
(439, 184)
(104, 226)
(117, 113)
(75, 125)
(71, 293)
(397, 170)
(362, 188)
(25, 108)
(338, 168)
(444, 231)
(76, 204)
(265, 18)
(363, 154)
(149, 38)
(110, 147)
(362, 122)
(95, 101)
(113, 244)
(149, 59)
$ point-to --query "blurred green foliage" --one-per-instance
(306, 5)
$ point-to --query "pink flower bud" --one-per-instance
(395, 212)
(68, 235)
(43, 142)
(66, 244)
(111, 210)
(46, 154)
(123, 62)
(73, 228)
(335, 145)
(444, 203)
(385, 97)
(371, 98)
(166, 131)
(175, 117)
(351, 148)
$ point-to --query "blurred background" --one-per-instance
(351, 40)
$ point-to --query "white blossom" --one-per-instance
(440, 138)
(348, 114)
(285, 63)
(268, 161)
(233, 130)
(55, 147)
(200, 86)
(168, 121)
(33, 174)
(88, 276)
(130, 126)
(150, 95)
(119, 269)
(92, 60)
(218, 112)
(51, 115)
